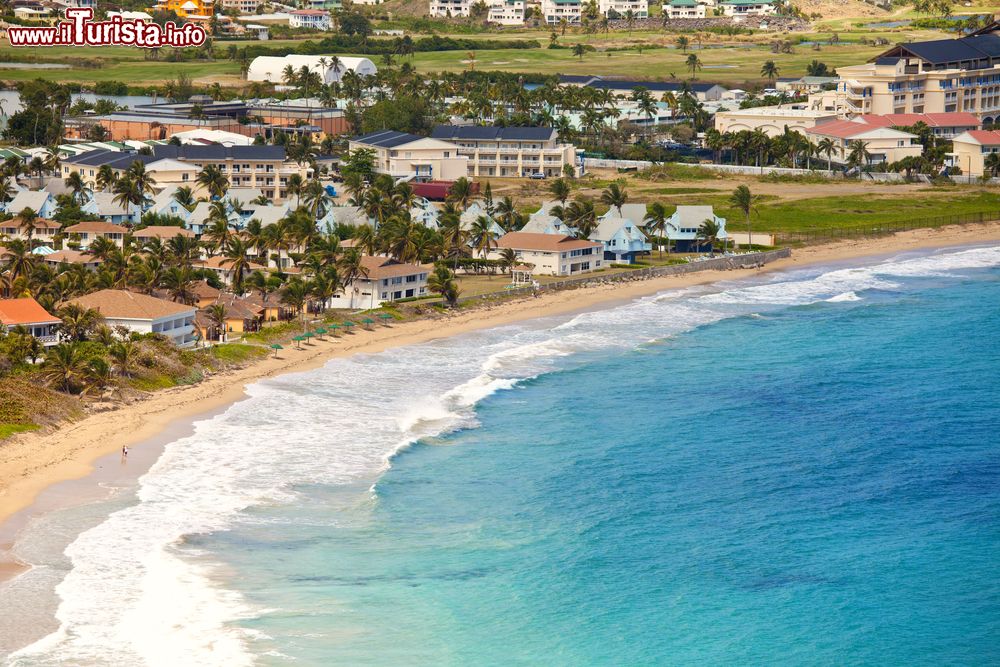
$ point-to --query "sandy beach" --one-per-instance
(30, 463)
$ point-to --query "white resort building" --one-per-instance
(555, 11)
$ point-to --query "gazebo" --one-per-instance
(521, 275)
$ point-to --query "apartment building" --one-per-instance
(621, 8)
(509, 151)
(741, 8)
(408, 155)
(242, 6)
(937, 76)
(450, 8)
(313, 19)
(969, 151)
(552, 254)
(261, 167)
(506, 12)
(885, 144)
(684, 9)
(556, 11)
(772, 120)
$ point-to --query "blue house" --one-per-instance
(622, 238)
(40, 201)
(683, 226)
(103, 204)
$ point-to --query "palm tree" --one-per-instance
(236, 251)
(460, 193)
(77, 185)
(992, 164)
(184, 196)
(125, 355)
(481, 232)
(826, 146)
(693, 63)
(106, 177)
(508, 260)
(213, 180)
(682, 42)
(560, 190)
(769, 71)
(579, 50)
(78, 322)
(177, 280)
(295, 294)
(615, 196)
(709, 232)
(746, 202)
(442, 281)
(858, 155)
(64, 368)
(217, 315)
(656, 223)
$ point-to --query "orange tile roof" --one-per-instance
(24, 311)
(40, 224)
(96, 227)
(70, 257)
(950, 119)
(117, 303)
(544, 242)
(162, 232)
(216, 262)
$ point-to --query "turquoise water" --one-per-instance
(799, 470)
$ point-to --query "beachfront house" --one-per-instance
(622, 238)
(143, 314)
(68, 256)
(683, 226)
(384, 279)
(552, 254)
(28, 314)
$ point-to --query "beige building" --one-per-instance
(938, 76)
(884, 144)
(552, 254)
(969, 151)
(621, 8)
(514, 152)
(399, 154)
(85, 233)
(42, 231)
(772, 120)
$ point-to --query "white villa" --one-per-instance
(683, 226)
(28, 313)
(143, 314)
(551, 254)
(386, 280)
(621, 8)
(407, 155)
(555, 11)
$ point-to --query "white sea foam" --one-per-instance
(142, 592)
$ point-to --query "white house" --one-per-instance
(143, 314)
(621, 8)
(683, 226)
(165, 204)
(314, 19)
(684, 9)
(86, 232)
(385, 279)
(272, 68)
(506, 12)
(551, 254)
(450, 8)
(28, 313)
(407, 155)
(741, 8)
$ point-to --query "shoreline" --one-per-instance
(32, 463)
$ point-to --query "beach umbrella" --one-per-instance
(297, 339)
(368, 322)
(320, 332)
(307, 335)
(276, 347)
(334, 328)
(385, 317)
(348, 324)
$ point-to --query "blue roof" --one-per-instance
(941, 51)
(476, 132)
(219, 152)
(100, 157)
(387, 138)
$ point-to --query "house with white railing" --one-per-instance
(29, 314)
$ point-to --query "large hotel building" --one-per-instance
(939, 76)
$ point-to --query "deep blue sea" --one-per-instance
(798, 470)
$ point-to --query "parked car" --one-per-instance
(537, 176)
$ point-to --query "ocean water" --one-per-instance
(801, 469)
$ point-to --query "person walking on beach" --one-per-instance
(124, 452)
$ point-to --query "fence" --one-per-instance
(882, 229)
(748, 260)
(835, 174)
(603, 163)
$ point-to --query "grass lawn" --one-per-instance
(7, 430)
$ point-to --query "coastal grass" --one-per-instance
(7, 430)
(26, 406)
(237, 353)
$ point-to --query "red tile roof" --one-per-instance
(842, 129)
(385, 267)
(544, 242)
(96, 227)
(956, 119)
(122, 304)
(24, 311)
(985, 137)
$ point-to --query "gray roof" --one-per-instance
(268, 215)
(243, 195)
(608, 227)
(348, 215)
(106, 204)
(692, 216)
(387, 138)
(476, 132)
(941, 51)
(33, 199)
(99, 157)
(217, 152)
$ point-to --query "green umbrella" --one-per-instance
(385, 317)
(368, 322)
(297, 339)
(321, 331)
(334, 328)
(348, 324)
(275, 347)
